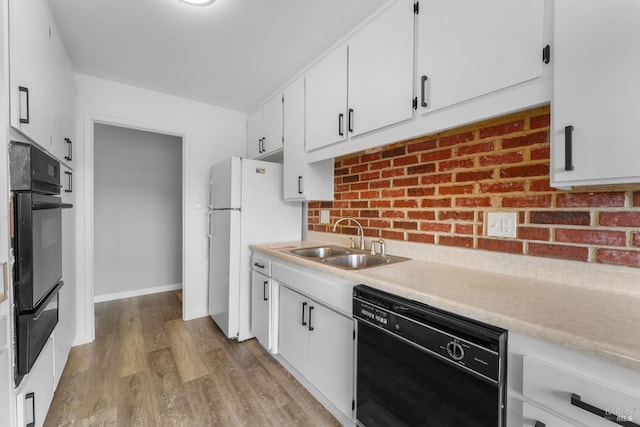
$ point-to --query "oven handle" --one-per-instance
(40, 206)
(45, 302)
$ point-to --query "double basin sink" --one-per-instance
(348, 259)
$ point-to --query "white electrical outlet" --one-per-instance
(502, 224)
(324, 216)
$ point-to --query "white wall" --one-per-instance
(209, 134)
(137, 211)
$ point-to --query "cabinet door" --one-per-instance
(272, 125)
(467, 48)
(381, 70)
(36, 391)
(532, 417)
(30, 69)
(326, 103)
(331, 355)
(62, 99)
(295, 155)
(254, 134)
(260, 300)
(292, 331)
(596, 67)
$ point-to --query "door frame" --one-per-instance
(85, 248)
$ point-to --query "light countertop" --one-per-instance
(596, 321)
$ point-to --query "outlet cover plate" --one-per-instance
(324, 217)
(502, 224)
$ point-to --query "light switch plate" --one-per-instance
(324, 216)
(502, 224)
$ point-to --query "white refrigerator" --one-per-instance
(246, 206)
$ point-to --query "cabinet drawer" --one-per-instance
(261, 265)
(535, 417)
(577, 397)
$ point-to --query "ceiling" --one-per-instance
(233, 53)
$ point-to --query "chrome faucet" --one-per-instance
(362, 245)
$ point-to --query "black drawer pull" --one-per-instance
(568, 148)
(350, 121)
(25, 91)
(576, 400)
(31, 396)
(539, 424)
(264, 291)
(341, 124)
(310, 310)
(257, 264)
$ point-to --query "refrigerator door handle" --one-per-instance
(210, 217)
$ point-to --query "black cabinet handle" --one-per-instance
(576, 401)
(264, 290)
(31, 396)
(539, 424)
(257, 264)
(341, 124)
(25, 91)
(69, 154)
(304, 304)
(423, 96)
(310, 310)
(260, 145)
(69, 188)
(568, 148)
(300, 190)
(350, 120)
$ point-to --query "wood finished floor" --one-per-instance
(147, 367)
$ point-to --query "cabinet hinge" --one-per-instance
(415, 103)
(416, 8)
(546, 54)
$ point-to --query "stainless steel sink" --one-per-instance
(319, 252)
(360, 261)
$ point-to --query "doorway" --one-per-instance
(137, 212)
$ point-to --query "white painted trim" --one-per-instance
(137, 292)
(86, 297)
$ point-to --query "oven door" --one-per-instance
(399, 384)
(38, 246)
(32, 331)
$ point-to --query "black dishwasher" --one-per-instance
(421, 366)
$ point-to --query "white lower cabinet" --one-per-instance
(318, 343)
(536, 417)
(36, 391)
(260, 312)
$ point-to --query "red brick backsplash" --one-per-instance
(438, 188)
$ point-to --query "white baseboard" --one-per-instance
(137, 292)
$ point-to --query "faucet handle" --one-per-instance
(353, 243)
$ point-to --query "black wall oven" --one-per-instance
(37, 247)
(419, 366)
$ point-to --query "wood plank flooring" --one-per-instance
(147, 367)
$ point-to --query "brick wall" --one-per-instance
(437, 189)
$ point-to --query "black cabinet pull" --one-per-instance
(310, 310)
(568, 148)
(69, 188)
(423, 96)
(341, 124)
(31, 396)
(576, 401)
(304, 304)
(539, 424)
(69, 154)
(257, 264)
(25, 91)
(350, 121)
(260, 145)
(300, 184)
(264, 290)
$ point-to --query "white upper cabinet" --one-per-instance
(381, 70)
(63, 95)
(326, 103)
(468, 48)
(302, 181)
(596, 99)
(264, 129)
(366, 84)
(30, 69)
